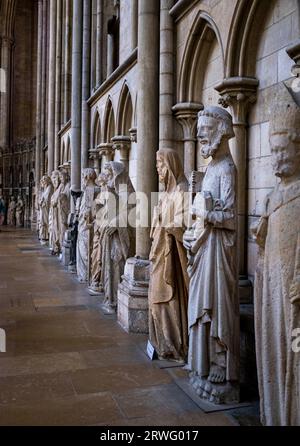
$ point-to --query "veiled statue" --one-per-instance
(19, 212)
(84, 224)
(213, 310)
(54, 241)
(63, 205)
(44, 208)
(11, 212)
(277, 282)
(168, 288)
(100, 223)
(116, 233)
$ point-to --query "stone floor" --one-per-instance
(69, 364)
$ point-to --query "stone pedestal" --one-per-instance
(223, 393)
(133, 296)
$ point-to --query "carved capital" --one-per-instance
(294, 51)
(94, 154)
(186, 114)
(106, 150)
(122, 143)
(133, 134)
(238, 93)
(7, 41)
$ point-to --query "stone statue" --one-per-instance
(277, 284)
(19, 212)
(100, 222)
(11, 212)
(54, 241)
(2, 210)
(85, 219)
(213, 311)
(116, 233)
(63, 204)
(168, 288)
(44, 208)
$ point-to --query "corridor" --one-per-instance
(66, 363)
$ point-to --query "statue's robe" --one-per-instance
(63, 210)
(54, 242)
(83, 240)
(168, 288)
(275, 316)
(213, 311)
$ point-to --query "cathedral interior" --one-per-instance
(149, 324)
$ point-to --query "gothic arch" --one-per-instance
(7, 17)
(203, 34)
(109, 122)
(96, 130)
(244, 37)
(124, 112)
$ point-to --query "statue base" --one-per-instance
(95, 291)
(215, 393)
(133, 296)
(108, 309)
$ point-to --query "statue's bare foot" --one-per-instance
(217, 374)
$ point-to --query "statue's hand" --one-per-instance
(295, 292)
(110, 231)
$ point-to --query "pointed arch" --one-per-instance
(125, 111)
(96, 130)
(7, 17)
(244, 36)
(203, 35)
(109, 127)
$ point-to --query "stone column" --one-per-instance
(86, 64)
(99, 34)
(166, 75)
(67, 61)
(51, 87)
(123, 144)
(5, 93)
(43, 85)
(133, 291)
(134, 23)
(239, 93)
(58, 60)
(76, 96)
(93, 44)
(39, 105)
(148, 111)
(110, 54)
(186, 113)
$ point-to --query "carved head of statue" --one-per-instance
(285, 135)
(88, 177)
(64, 176)
(55, 179)
(214, 125)
(45, 181)
(169, 169)
(117, 177)
(101, 180)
